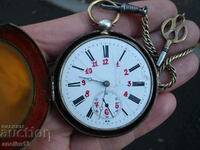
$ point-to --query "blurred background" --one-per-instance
(182, 129)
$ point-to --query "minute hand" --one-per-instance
(90, 79)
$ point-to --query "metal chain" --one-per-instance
(153, 52)
(147, 39)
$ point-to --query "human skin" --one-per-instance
(55, 35)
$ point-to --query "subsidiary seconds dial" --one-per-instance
(105, 84)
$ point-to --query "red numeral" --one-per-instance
(83, 82)
(126, 94)
(96, 104)
(117, 65)
(94, 64)
(105, 62)
(117, 105)
(106, 112)
(129, 83)
(87, 93)
(126, 72)
(88, 71)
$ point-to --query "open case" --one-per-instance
(25, 89)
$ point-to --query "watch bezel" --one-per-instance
(76, 124)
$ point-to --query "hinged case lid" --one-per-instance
(25, 89)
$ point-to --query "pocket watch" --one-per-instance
(105, 82)
(103, 85)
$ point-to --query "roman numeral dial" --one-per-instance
(90, 56)
(134, 99)
(78, 101)
(105, 83)
(106, 51)
(124, 112)
(122, 55)
(81, 69)
(75, 84)
(138, 83)
(134, 68)
(90, 113)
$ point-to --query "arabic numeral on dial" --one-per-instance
(83, 82)
(106, 112)
(94, 64)
(88, 71)
(129, 83)
(87, 93)
(105, 61)
(126, 94)
(117, 105)
(126, 72)
(96, 104)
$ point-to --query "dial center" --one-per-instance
(106, 83)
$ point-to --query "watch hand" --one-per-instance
(107, 106)
(104, 83)
(110, 111)
(101, 108)
(90, 79)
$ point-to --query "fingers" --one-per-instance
(53, 36)
(162, 109)
(186, 68)
(191, 40)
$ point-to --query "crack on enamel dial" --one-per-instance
(105, 83)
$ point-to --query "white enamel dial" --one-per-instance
(106, 83)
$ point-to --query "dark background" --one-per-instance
(182, 129)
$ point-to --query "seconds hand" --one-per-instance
(101, 108)
(107, 105)
(107, 84)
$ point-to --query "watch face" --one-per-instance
(105, 83)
